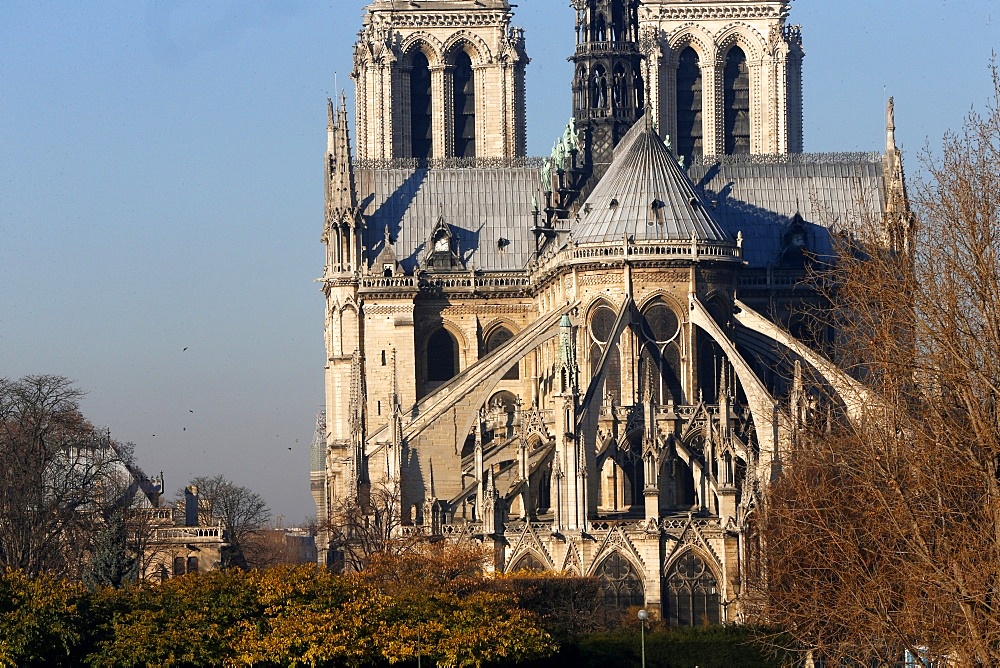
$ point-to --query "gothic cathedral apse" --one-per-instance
(588, 361)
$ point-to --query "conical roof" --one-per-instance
(646, 196)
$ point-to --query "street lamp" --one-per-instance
(643, 616)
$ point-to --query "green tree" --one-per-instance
(111, 565)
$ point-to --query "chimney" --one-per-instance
(191, 506)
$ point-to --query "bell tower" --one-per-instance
(725, 78)
(609, 89)
(440, 79)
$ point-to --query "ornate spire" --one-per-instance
(609, 89)
(569, 372)
(890, 138)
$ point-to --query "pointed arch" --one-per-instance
(425, 43)
(528, 560)
(742, 35)
(472, 44)
(421, 106)
(690, 590)
(495, 337)
(676, 485)
(690, 106)
(463, 106)
(622, 580)
(736, 102)
(601, 318)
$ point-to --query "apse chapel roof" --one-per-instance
(645, 196)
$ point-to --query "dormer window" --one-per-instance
(387, 270)
(443, 253)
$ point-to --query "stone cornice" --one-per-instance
(711, 11)
(414, 19)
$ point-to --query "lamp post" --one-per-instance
(643, 616)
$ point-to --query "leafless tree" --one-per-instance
(360, 528)
(883, 534)
(59, 477)
(242, 513)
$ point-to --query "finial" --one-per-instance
(890, 139)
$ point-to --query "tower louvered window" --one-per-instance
(420, 107)
(737, 101)
(689, 106)
(465, 107)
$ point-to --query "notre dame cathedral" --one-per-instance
(590, 361)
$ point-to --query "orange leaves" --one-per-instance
(440, 605)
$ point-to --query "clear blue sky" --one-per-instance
(161, 189)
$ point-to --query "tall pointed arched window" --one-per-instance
(737, 102)
(622, 583)
(659, 362)
(497, 338)
(618, 25)
(689, 106)
(691, 593)
(602, 325)
(465, 107)
(420, 107)
(442, 356)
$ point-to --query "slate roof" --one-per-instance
(646, 196)
(759, 196)
(489, 210)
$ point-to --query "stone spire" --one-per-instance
(342, 198)
(342, 233)
(899, 220)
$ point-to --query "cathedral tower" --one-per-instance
(608, 86)
(725, 78)
(440, 79)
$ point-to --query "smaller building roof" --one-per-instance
(645, 196)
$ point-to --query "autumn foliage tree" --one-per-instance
(439, 606)
(883, 534)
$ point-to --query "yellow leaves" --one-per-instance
(288, 616)
(39, 617)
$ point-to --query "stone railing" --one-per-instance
(775, 279)
(452, 163)
(517, 527)
(607, 46)
(857, 158)
(614, 253)
(608, 525)
(187, 533)
(469, 282)
(679, 522)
